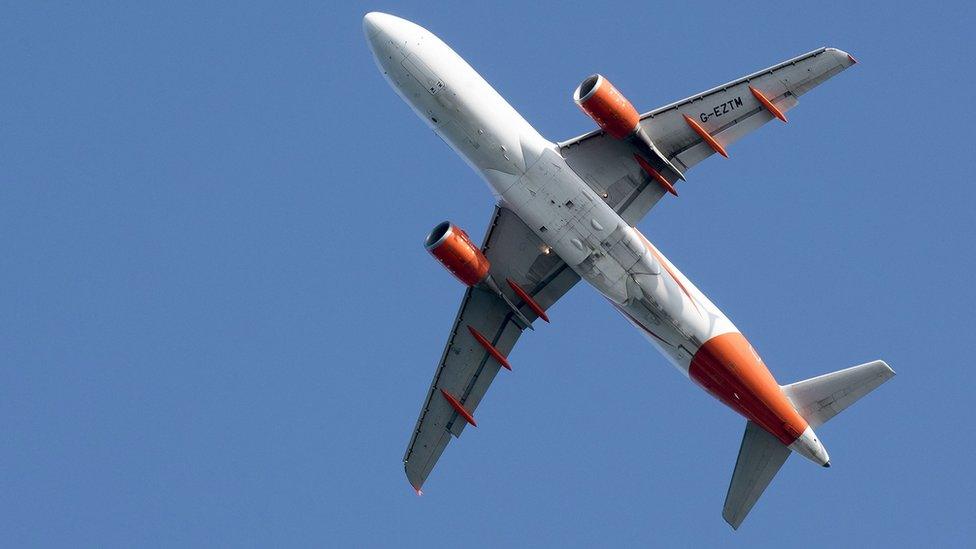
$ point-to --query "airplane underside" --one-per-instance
(567, 211)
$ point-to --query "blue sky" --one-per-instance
(217, 319)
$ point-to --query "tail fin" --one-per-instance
(820, 398)
(816, 399)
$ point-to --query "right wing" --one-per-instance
(466, 369)
(727, 113)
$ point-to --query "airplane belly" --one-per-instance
(670, 310)
(528, 175)
(615, 259)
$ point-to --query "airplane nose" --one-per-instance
(378, 23)
(371, 23)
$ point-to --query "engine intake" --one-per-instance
(452, 247)
(602, 102)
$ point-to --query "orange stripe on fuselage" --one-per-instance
(727, 367)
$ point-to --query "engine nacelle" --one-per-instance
(607, 106)
(450, 245)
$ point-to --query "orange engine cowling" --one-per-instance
(454, 249)
(607, 106)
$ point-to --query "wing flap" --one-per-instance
(495, 324)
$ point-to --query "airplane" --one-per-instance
(567, 211)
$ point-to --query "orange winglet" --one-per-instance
(458, 408)
(768, 104)
(706, 137)
(490, 348)
(528, 300)
(655, 174)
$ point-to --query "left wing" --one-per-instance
(727, 113)
(466, 368)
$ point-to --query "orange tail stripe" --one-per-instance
(490, 348)
(655, 174)
(706, 137)
(768, 104)
(458, 408)
(727, 367)
(528, 300)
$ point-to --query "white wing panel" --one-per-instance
(466, 370)
(727, 112)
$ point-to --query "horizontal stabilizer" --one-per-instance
(760, 458)
(820, 398)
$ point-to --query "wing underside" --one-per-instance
(466, 368)
(727, 113)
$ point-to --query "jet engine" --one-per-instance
(602, 102)
(450, 245)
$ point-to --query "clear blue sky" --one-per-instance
(217, 319)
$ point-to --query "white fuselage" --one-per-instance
(527, 174)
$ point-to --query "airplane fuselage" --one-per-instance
(528, 175)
